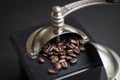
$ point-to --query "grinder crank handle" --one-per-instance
(58, 13)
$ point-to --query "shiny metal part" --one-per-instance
(110, 60)
(41, 36)
(59, 12)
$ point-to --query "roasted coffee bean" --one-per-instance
(56, 49)
(76, 50)
(68, 57)
(62, 53)
(62, 60)
(73, 60)
(73, 45)
(60, 48)
(45, 50)
(46, 46)
(69, 46)
(70, 51)
(72, 54)
(77, 47)
(78, 44)
(73, 41)
(50, 53)
(56, 53)
(61, 43)
(53, 71)
(57, 66)
(64, 64)
(52, 56)
(63, 57)
(44, 54)
(82, 49)
(51, 48)
(55, 59)
(41, 60)
(64, 46)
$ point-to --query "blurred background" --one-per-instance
(102, 22)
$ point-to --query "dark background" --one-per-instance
(102, 22)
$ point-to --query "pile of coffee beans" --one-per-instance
(61, 53)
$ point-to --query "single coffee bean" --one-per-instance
(76, 50)
(73, 41)
(68, 57)
(73, 45)
(44, 54)
(77, 47)
(69, 46)
(53, 71)
(72, 54)
(52, 47)
(48, 49)
(46, 46)
(57, 66)
(61, 43)
(55, 59)
(51, 57)
(62, 60)
(41, 60)
(50, 53)
(63, 57)
(78, 43)
(64, 64)
(56, 49)
(45, 50)
(60, 48)
(73, 60)
(70, 51)
(56, 53)
(62, 53)
(64, 46)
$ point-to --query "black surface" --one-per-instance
(35, 71)
(102, 22)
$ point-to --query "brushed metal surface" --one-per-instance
(110, 60)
